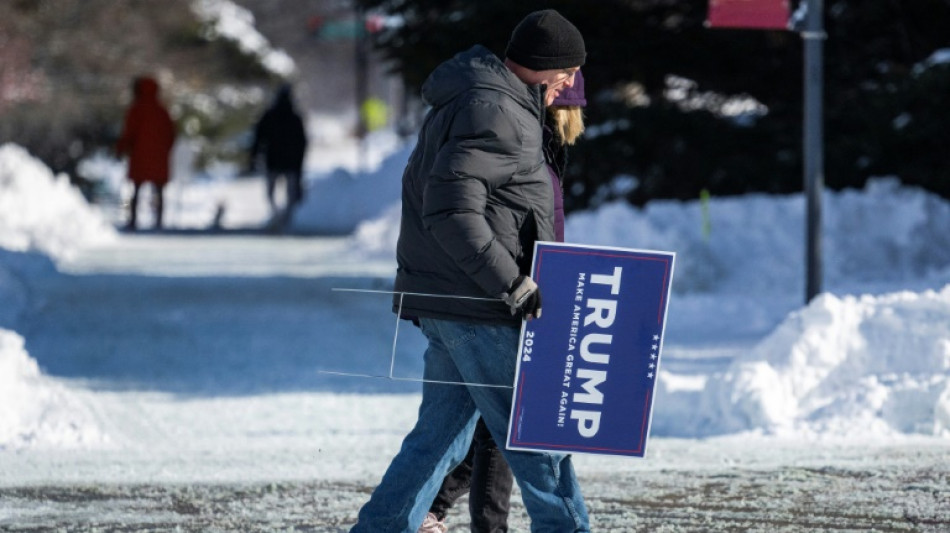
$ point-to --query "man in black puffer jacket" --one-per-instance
(476, 196)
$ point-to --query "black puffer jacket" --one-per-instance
(476, 194)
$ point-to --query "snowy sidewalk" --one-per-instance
(823, 488)
(191, 365)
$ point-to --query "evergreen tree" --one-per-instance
(682, 108)
(66, 71)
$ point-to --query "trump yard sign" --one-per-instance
(587, 368)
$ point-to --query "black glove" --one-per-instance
(525, 295)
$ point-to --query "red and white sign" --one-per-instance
(752, 14)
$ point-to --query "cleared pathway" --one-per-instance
(197, 357)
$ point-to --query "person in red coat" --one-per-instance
(147, 138)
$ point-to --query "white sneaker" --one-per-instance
(432, 525)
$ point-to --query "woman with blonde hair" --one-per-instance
(564, 126)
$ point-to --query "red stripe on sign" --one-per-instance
(753, 14)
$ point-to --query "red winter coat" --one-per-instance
(147, 136)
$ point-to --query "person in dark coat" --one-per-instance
(484, 474)
(148, 135)
(476, 196)
(280, 136)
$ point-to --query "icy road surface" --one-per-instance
(188, 365)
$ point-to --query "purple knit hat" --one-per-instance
(573, 95)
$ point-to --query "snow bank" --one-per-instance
(884, 232)
(339, 202)
(841, 366)
(40, 215)
(43, 212)
(36, 411)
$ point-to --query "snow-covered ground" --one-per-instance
(163, 380)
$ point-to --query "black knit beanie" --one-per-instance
(545, 40)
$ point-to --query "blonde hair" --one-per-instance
(568, 122)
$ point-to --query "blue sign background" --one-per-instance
(548, 389)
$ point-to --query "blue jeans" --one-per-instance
(471, 353)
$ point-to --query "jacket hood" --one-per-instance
(283, 99)
(478, 68)
(146, 89)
